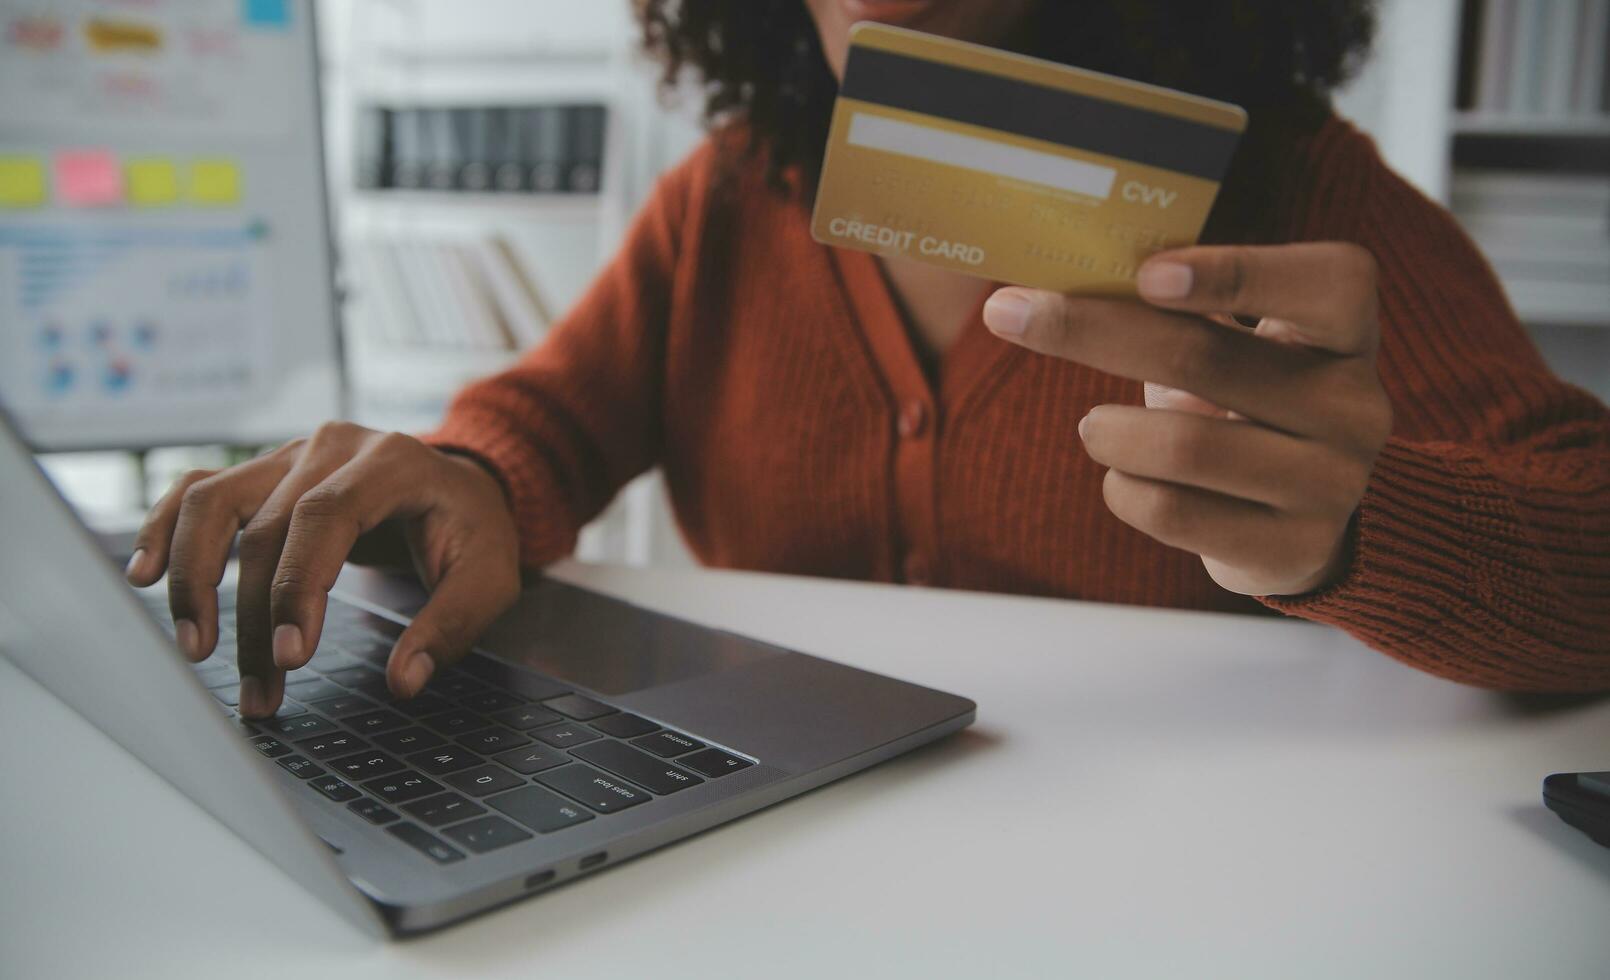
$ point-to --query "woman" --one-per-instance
(1385, 451)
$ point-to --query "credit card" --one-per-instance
(1012, 168)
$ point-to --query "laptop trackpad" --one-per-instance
(610, 646)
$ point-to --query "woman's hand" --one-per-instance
(300, 509)
(1255, 446)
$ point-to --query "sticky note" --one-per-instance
(88, 178)
(214, 182)
(266, 13)
(22, 182)
(153, 182)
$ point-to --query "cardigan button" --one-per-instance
(913, 419)
(916, 569)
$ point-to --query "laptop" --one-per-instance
(582, 731)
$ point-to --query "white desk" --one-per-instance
(1145, 794)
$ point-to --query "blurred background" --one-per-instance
(484, 157)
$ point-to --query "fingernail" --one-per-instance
(253, 699)
(1007, 314)
(189, 637)
(417, 674)
(136, 566)
(1164, 280)
(1082, 423)
(287, 647)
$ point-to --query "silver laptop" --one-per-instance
(583, 732)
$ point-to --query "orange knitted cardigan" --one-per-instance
(774, 381)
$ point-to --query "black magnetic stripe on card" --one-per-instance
(1038, 112)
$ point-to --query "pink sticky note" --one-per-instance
(88, 178)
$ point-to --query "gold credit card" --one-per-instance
(1012, 168)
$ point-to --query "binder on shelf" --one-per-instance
(443, 154)
(547, 148)
(507, 143)
(1593, 50)
(408, 150)
(472, 131)
(372, 142)
(585, 124)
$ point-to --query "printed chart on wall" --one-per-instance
(164, 256)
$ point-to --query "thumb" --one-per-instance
(463, 604)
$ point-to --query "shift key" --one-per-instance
(654, 775)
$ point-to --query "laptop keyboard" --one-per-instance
(487, 756)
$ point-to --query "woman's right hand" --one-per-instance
(299, 510)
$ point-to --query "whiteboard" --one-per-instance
(165, 258)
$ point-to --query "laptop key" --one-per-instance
(444, 760)
(442, 809)
(330, 746)
(405, 741)
(402, 786)
(667, 743)
(580, 708)
(456, 722)
(300, 766)
(362, 765)
(653, 774)
(457, 684)
(624, 725)
(334, 788)
(487, 834)
(714, 763)
(425, 843)
(376, 721)
(490, 701)
(489, 740)
(270, 746)
(344, 705)
(483, 780)
(532, 758)
(312, 689)
(564, 736)
(352, 676)
(421, 705)
(372, 811)
(289, 709)
(299, 727)
(606, 794)
(539, 809)
(527, 716)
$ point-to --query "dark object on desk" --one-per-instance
(1581, 799)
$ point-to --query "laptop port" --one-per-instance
(592, 860)
(538, 880)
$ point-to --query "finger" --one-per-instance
(323, 526)
(466, 600)
(1326, 290)
(155, 537)
(1272, 552)
(261, 653)
(1236, 459)
(211, 510)
(1296, 389)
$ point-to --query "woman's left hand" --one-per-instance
(1255, 446)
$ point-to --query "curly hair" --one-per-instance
(761, 61)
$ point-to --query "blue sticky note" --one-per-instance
(266, 13)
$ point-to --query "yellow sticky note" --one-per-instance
(22, 182)
(153, 182)
(214, 182)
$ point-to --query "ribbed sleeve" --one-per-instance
(1482, 548)
(579, 415)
